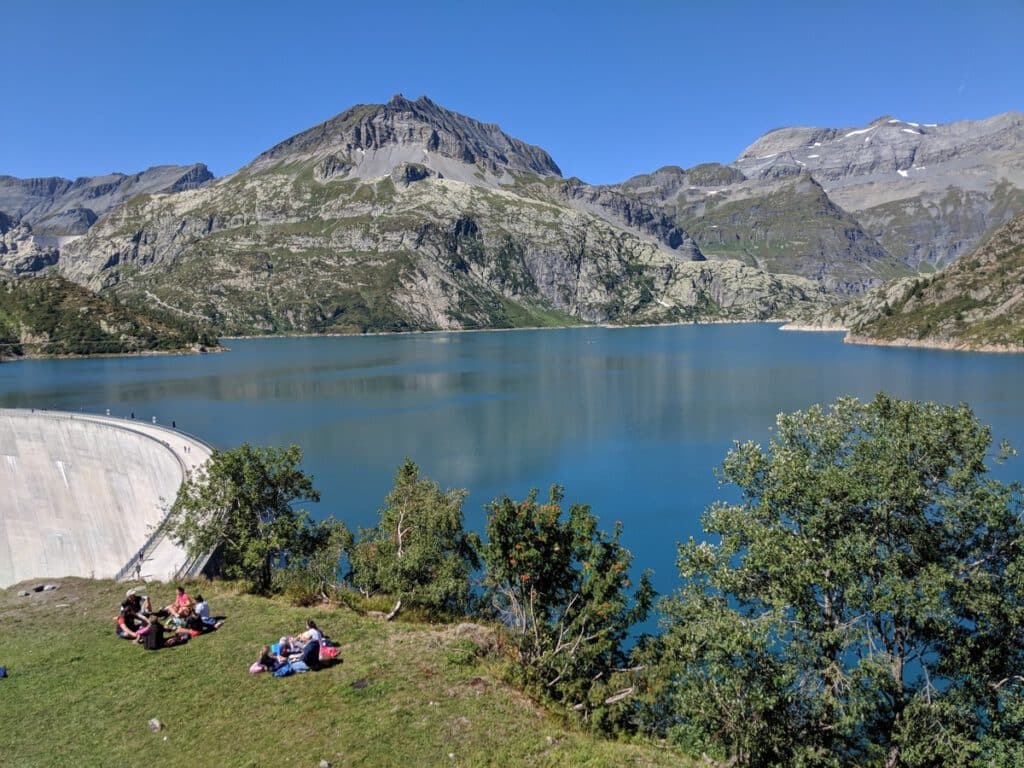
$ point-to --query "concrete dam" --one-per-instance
(82, 495)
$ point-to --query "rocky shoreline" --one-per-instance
(141, 353)
(950, 346)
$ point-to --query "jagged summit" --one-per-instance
(371, 140)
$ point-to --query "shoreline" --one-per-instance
(870, 341)
(581, 326)
(786, 325)
(806, 328)
(183, 352)
(945, 346)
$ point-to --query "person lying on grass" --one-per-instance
(268, 660)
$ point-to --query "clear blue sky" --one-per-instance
(610, 89)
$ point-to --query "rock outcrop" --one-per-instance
(20, 251)
(55, 206)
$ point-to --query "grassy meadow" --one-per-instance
(405, 693)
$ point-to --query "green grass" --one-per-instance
(77, 695)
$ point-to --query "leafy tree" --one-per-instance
(311, 571)
(562, 587)
(863, 604)
(243, 502)
(418, 551)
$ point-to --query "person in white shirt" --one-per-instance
(312, 633)
(202, 610)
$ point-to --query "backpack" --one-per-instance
(179, 639)
(284, 670)
(153, 640)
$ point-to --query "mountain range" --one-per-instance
(406, 215)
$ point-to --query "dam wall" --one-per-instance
(82, 495)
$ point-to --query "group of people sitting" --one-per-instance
(169, 626)
(303, 653)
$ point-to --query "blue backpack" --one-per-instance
(284, 670)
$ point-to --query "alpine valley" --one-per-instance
(408, 216)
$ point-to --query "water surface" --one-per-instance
(631, 421)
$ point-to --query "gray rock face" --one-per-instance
(629, 212)
(56, 206)
(21, 252)
(370, 140)
(928, 193)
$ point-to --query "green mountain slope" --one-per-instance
(790, 226)
(976, 303)
(49, 315)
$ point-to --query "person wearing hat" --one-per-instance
(141, 602)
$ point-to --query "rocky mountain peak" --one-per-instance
(371, 140)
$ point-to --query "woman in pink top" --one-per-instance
(182, 605)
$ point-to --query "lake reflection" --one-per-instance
(631, 421)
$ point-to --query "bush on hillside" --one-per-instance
(562, 587)
(242, 503)
(418, 552)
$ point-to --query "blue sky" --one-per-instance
(610, 89)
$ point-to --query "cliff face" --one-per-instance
(20, 250)
(58, 207)
(927, 192)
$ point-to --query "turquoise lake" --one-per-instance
(630, 421)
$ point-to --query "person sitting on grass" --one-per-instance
(284, 647)
(155, 639)
(182, 605)
(308, 659)
(130, 623)
(202, 611)
(312, 633)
